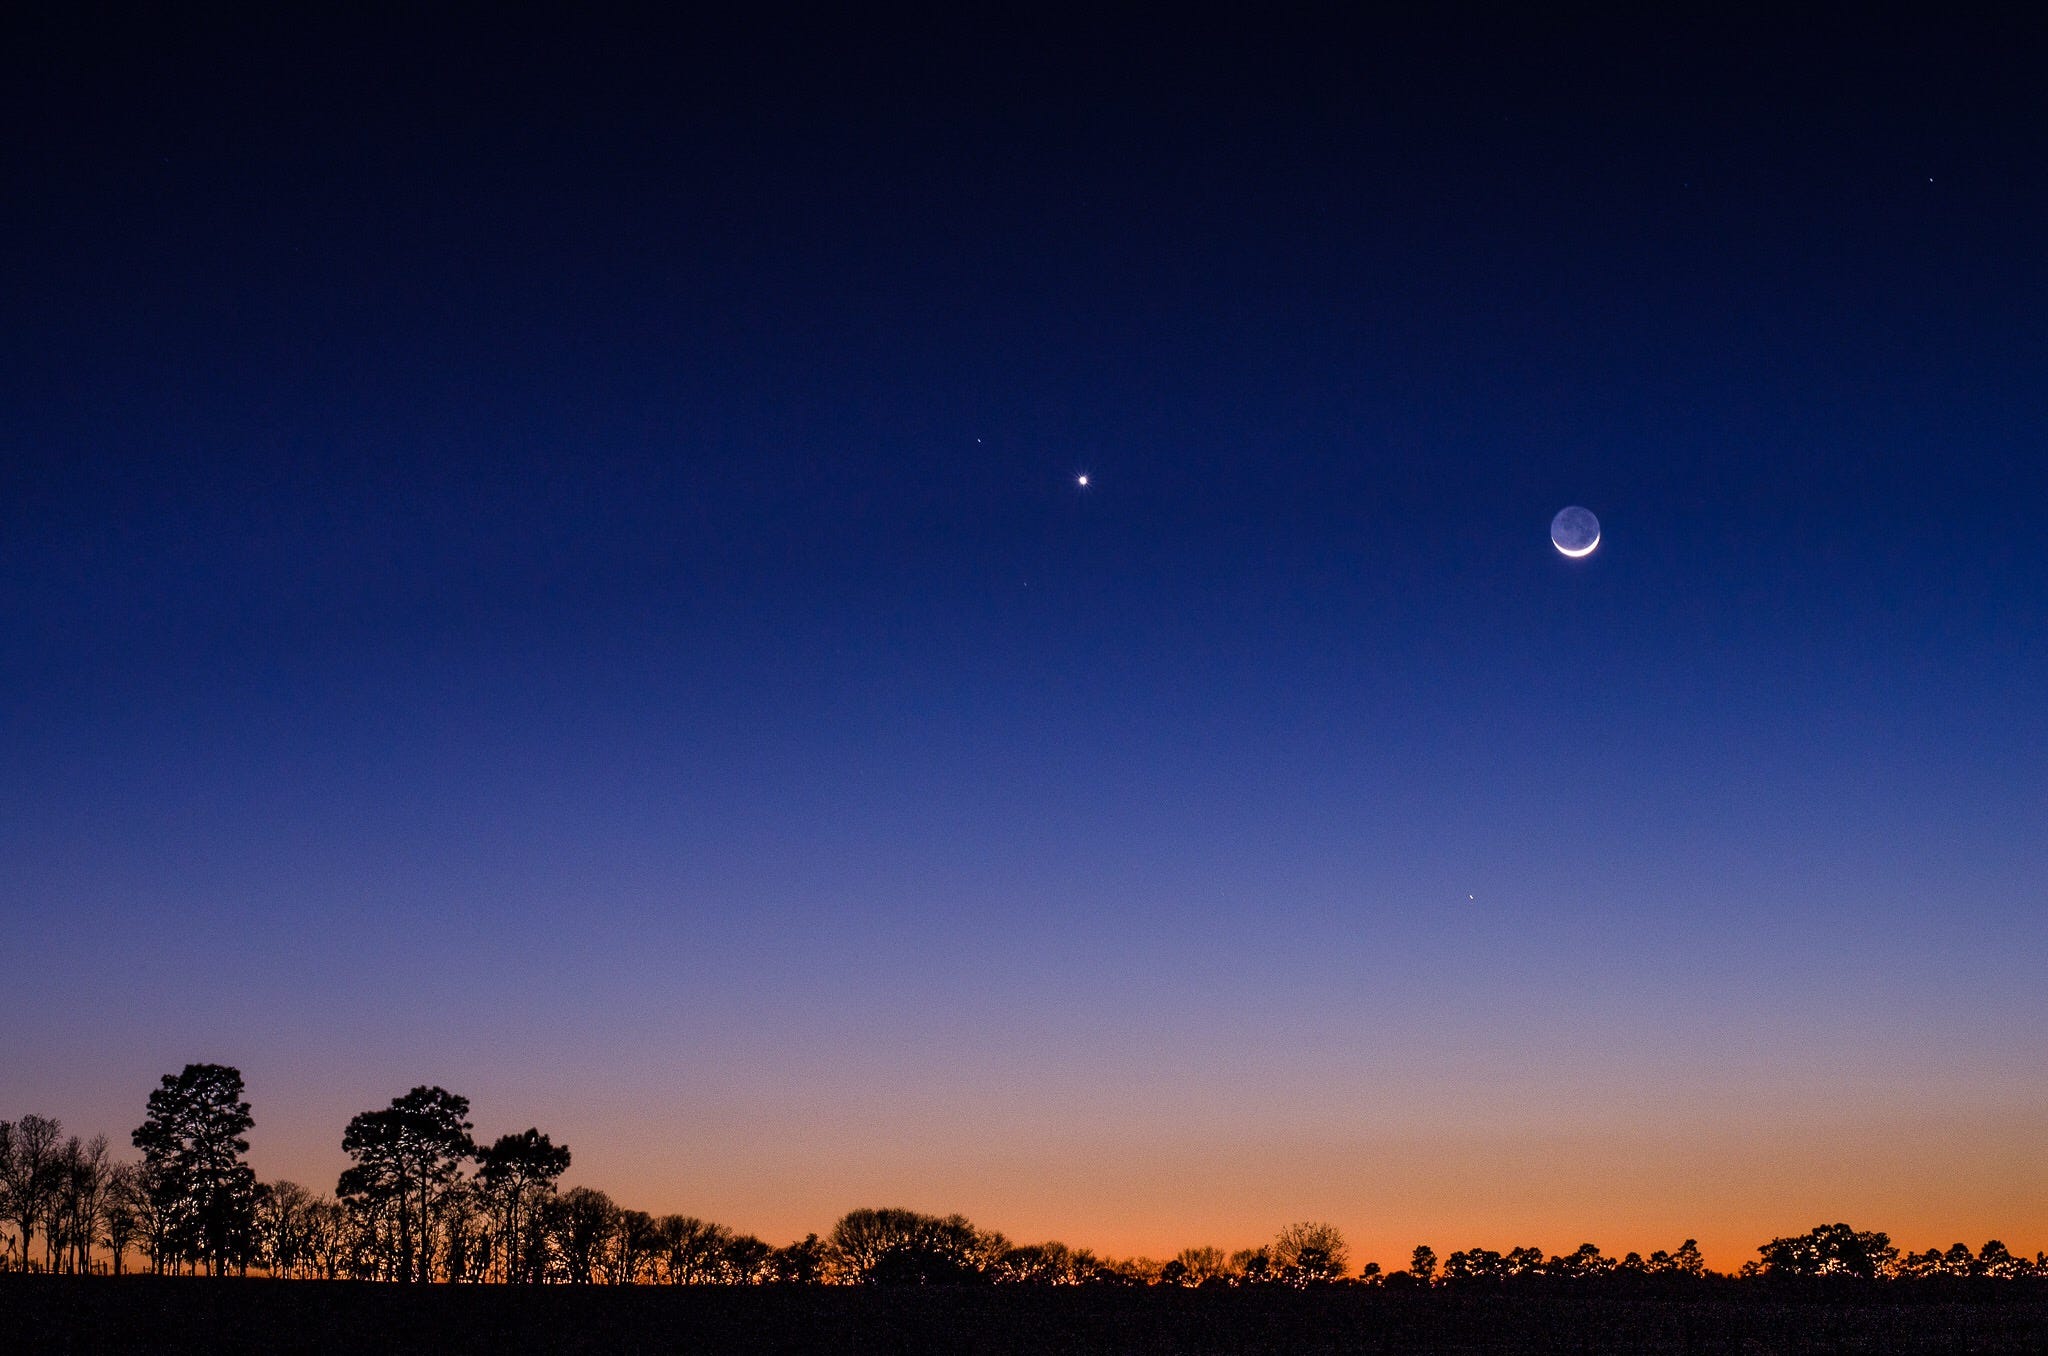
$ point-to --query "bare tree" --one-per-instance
(1310, 1253)
(329, 1238)
(689, 1249)
(121, 1215)
(631, 1255)
(584, 1221)
(1051, 1263)
(903, 1247)
(1252, 1266)
(467, 1238)
(798, 1263)
(1197, 1266)
(745, 1260)
(30, 1172)
(283, 1227)
(74, 1220)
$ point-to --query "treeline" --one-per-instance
(424, 1200)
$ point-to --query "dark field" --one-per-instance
(61, 1314)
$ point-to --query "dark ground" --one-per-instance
(93, 1314)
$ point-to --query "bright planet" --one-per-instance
(1575, 531)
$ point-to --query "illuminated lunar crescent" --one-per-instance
(1575, 531)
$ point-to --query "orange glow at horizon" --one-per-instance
(1731, 1182)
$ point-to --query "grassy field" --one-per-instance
(67, 1314)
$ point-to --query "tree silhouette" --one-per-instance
(518, 1174)
(1831, 1250)
(406, 1212)
(689, 1251)
(284, 1227)
(903, 1247)
(746, 1260)
(192, 1146)
(81, 1199)
(1252, 1266)
(1422, 1264)
(1469, 1265)
(408, 1156)
(583, 1220)
(468, 1237)
(121, 1216)
(798, 1263)
(1586, 1262)
(1047, 1264)
(631, 1255)
(1687, 1261)
(1996, 1260)
(28, 1173)
(330, 1239)
(1310, 1254)
(1197, 1266)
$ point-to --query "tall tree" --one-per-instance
(30, 1169)
(519, 1173)
(408, 1156)
(191, 1141)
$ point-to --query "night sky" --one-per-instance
(547, 558)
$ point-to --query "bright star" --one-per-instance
(1082, 481)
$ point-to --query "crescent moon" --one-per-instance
(1575, 532)
(1585, 550)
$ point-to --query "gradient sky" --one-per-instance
(546, 560)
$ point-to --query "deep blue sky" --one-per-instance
(546, 559)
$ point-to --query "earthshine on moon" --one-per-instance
(1575, 531)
